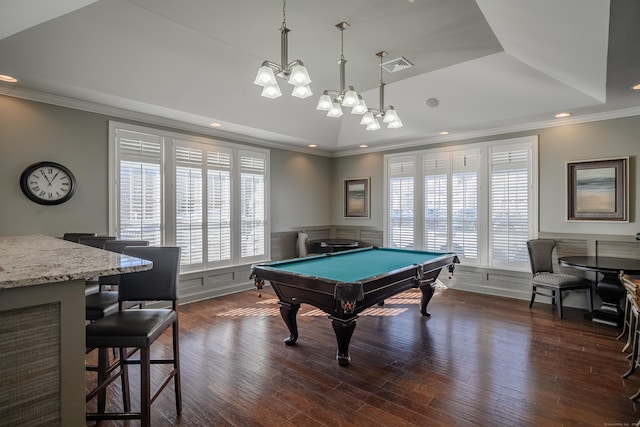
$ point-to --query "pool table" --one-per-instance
(345, 283)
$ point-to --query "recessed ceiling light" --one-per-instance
(432, 102)
(562, 115)
(363, 146)
(215, 124)
(8, 79)
(636, 87)
(312, 145)
(444, 132)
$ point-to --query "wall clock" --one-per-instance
(48, 183)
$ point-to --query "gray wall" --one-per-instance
(557, 145)
(300, 190)
(31, 132)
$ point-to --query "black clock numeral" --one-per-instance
(42, 193)
(35, 189)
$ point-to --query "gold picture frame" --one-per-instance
(356, 198)
(597, 190)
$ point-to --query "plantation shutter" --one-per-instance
(464, 203)
(139, 190)
(252, 204)
(436, 202)
(510, 208)
(189, 204)
(401, 176)
(219, 205)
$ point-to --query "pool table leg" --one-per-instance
(343, 330)
(288, 312)
(427, 292)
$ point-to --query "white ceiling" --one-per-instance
(494, 65)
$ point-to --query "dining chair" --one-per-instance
(541, 261)
(138, 329)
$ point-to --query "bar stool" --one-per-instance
(138, 329)
(73, 237)
(104, 303)
(631, 319)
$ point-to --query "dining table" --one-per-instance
(608, 287)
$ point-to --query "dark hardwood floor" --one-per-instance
(478, 361)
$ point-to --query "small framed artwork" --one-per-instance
(597, 190)
(356, 198)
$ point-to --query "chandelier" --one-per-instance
(295, 71)
(387, 114)
(332, 100)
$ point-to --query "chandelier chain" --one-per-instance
(284, 13)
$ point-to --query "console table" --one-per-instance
(42, 313)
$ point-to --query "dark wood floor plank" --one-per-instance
(479, 360)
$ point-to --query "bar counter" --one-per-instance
(42, 319)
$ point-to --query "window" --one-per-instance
(140, 190)
(478, 201)
(252, 205)
(400, 200)
(510, 204)
(177, 190)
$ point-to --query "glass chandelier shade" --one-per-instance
(299, 76)
(395, 124)
(335, 110)
(350, 98)
(367, 118)
(302, 91)
(359, 108)
(324, 103)
(265, 77)
(271, 91)
(375, 125)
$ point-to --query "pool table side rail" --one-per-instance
(319, 292)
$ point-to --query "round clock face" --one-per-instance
(48, 183)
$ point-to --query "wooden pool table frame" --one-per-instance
(343, 301)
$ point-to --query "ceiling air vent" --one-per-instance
(397, 64)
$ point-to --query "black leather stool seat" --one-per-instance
(132, 328)
(101, 304)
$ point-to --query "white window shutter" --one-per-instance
(436, 202)
(464, 204)
(189, 204)
(139, 191)
(401, 177)
(252, 205)
(219, 205)
(509, 204)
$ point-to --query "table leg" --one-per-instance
(343, 330)
(427, 292)
(288, 312)
(611, 292)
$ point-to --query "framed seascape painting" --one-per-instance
(356, 198)
(597, 190)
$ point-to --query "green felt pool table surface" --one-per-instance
(356, 265)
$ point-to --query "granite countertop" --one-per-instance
(36, 259)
